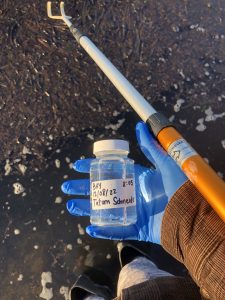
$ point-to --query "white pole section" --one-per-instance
(127, 90)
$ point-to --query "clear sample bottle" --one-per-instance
(113, 198)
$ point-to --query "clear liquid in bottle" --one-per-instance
(113, 199)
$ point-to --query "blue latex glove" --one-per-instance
(154, 188)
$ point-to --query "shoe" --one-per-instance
(93, 282)
(128, 252)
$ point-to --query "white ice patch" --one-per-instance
(220, 174)
(115, 126)
(183, 122)
(64, 290)
(181, 73)
(223, 143)
(90, 136)
(194, 26)
(108, 256)
(197, 28)
(57, 163)
(171, 119)
(116, 113)
(201, 126)
(7, 167)
(18, 188)
(177, 106)
(162, 59)
(16, 231)
(69, 247)
(81, 229)
(201, 29)
(22, 168)
(79, 241)
(175, 28)
(20, 277)
(49, 222)
(26, 150)
(58, 200)
(67, 159)
(46, 293)
(210, 116)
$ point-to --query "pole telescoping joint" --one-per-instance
(76, 33)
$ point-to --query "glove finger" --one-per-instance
(113, 233)
(78, 207)
(76, 187)
(82, 165)
(148, 144)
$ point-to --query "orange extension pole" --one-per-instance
(209, 184)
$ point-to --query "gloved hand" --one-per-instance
(154, 188)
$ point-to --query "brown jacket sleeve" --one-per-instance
(194, 234)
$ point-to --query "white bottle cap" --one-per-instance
(111, 145)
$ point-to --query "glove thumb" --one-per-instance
(149, 146)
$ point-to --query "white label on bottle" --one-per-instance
(115, 193)
(180, 151)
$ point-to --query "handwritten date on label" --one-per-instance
(116, 193)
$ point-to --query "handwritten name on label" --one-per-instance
(116, 193)
(180, 151)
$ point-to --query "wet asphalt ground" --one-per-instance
(54, 103)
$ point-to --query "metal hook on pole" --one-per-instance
(63, 15)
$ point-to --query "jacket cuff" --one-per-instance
(177, 210)
(194, 234)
